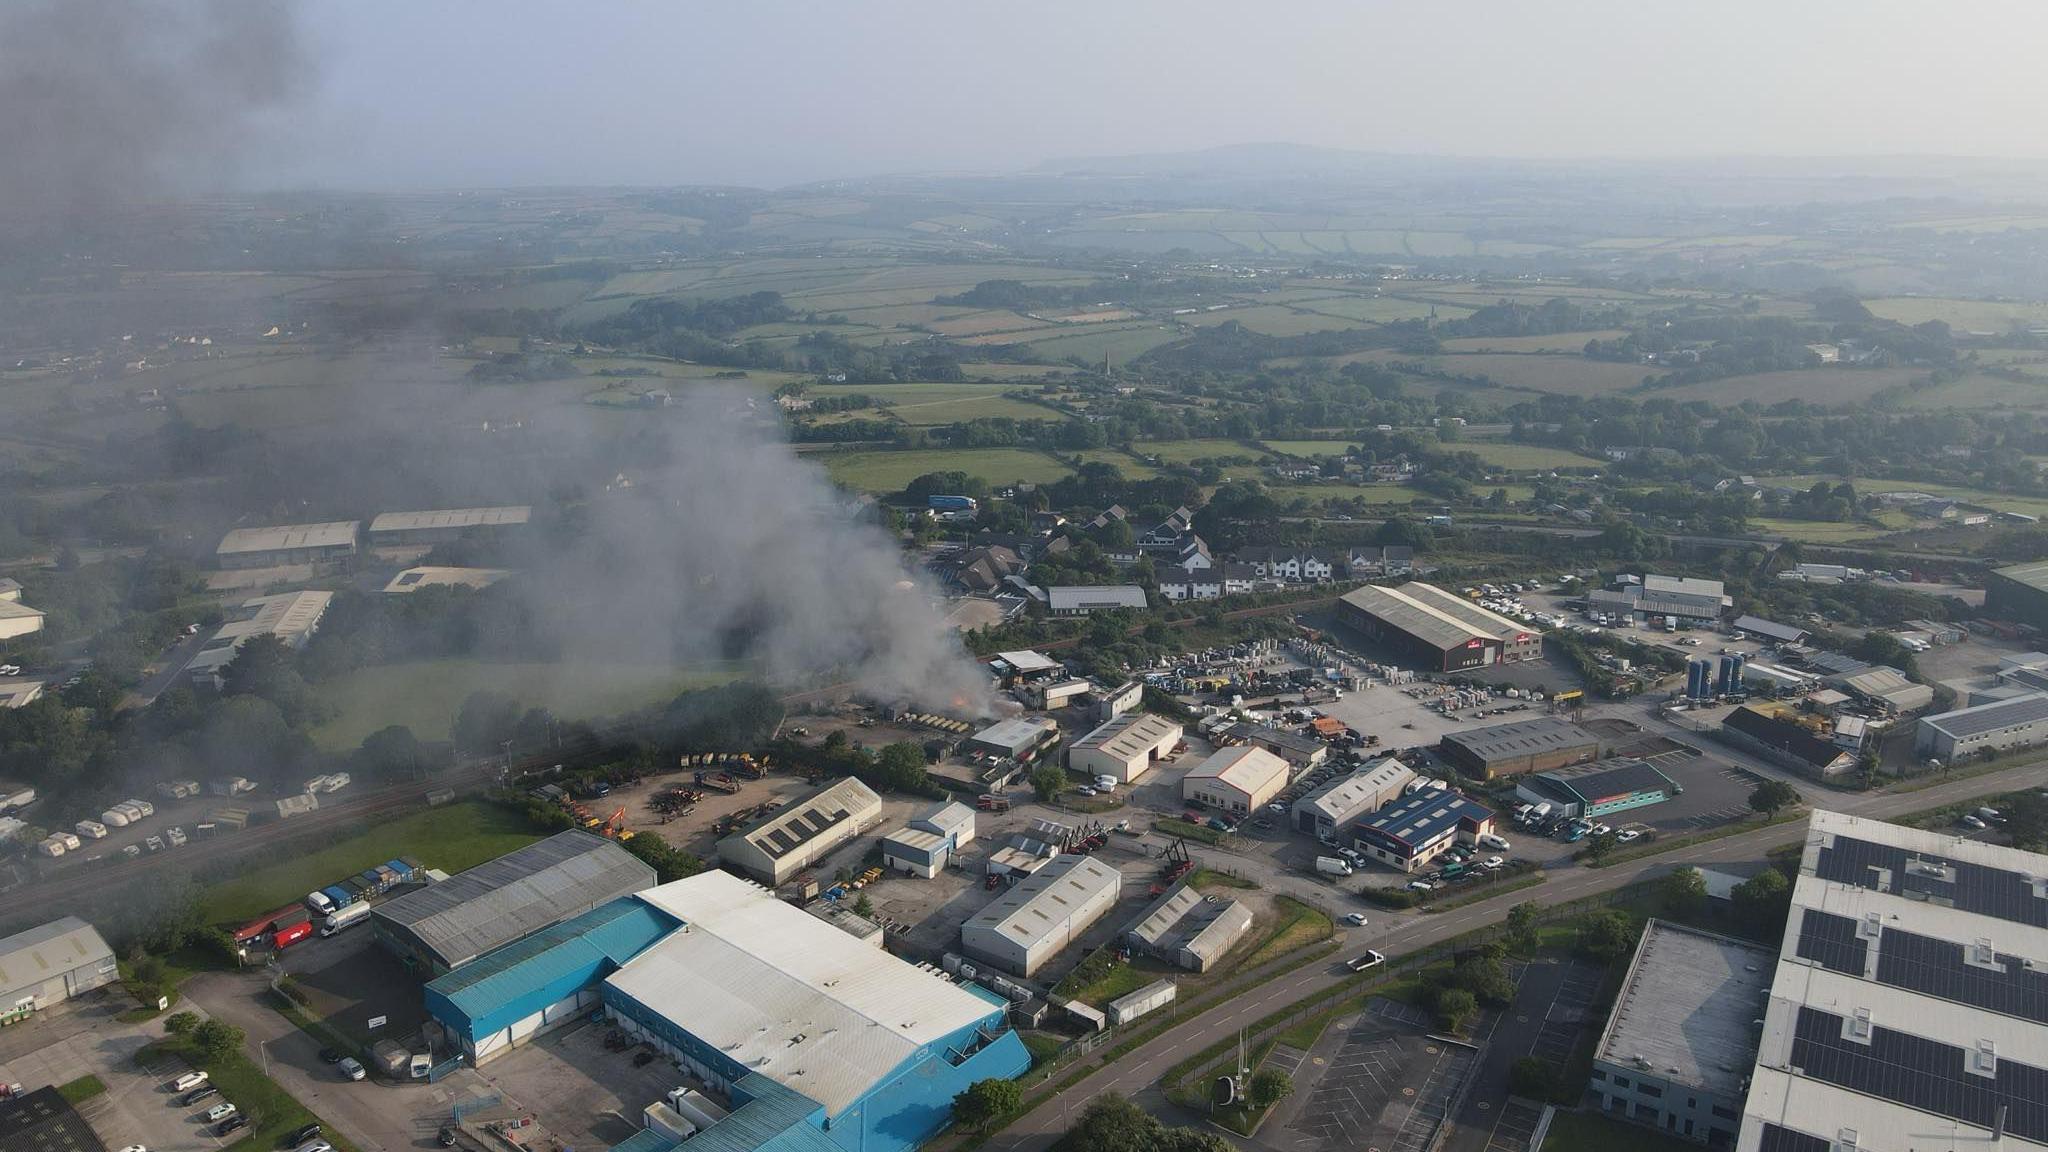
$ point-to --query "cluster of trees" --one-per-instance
(899, 767)
(1111, 1123)
(522, 368)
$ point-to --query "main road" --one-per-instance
(1132, 1072)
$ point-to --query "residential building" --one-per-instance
(1905, 1009)
(1041, 914)
(1082, 599)
(1236, 780)
(425, 529)
(2000, 726)
(1680, 1039)
(1519, 746)
(1410, 832)
(1126, 747)
(774, 849)
(446, 925)
(1329, 812)
(1603, 788)
(292, 617)
(1379, 562)
(1189, 930)
(1289, 567)
(1189, 583)
(1787, 743)
(1442, 631)
(287, 544)
(47, 965)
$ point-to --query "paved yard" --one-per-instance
(84, 1038)
(1374, 1080)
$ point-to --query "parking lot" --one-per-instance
(85, 1038)
(1374, 1080)
(349, 980)
(585, 1094)
(1552, 1013)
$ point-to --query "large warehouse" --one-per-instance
(1188, 930)
(1595, 790)
(1236, 780)
(287, 544)
(775, 849)
(1043, 913)
(550, 978)
(1126, 747)
(1906, 1006)
(1519, 746)
(446, 925)
(2020, 722)
(292, 617)
(1409, 833)
(1784, 742)
(408, 529)
(1690, 600)
(1678, 1045)
(48, 965)
(821, 1043)
(1330, 811)
(2018, 593)
(1019, 737)
(1440, 630)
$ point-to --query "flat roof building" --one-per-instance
(1082, 599)
(1238, 780)
(1412, 831)
(44, 1121)
(1024, 664)
(19, 692)
(287, 544)
(446, 925)
(1906, 1010)
(18, 620)
(818, 1041)
(1018, 737)
(1189, 930)
(1329, 812)
(399, 529)
(1043, 913)
(414, 579)
(292, 617)
(2002, 725)
(1886, 688)
(47, 965)
(1676, 1052)
(1519, 746)
(2018, 593)
(1602, 788)
(773, 850)
(1125, 747)
(1441, 630)
(1784, 742)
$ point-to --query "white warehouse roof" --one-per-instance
(1038, 904)
(1130, 736)
(450, 518)
(1247, 768)
(787, 995)
(282, 537)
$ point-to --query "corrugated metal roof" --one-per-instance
(1087, 598)
(31, 957)
(616, 931)
(773, 1119)
(1769, 629)
(1608, 779)
(498, 901)
(1433, 615)
(1964, 723)
(283, 537)
(1044, 898)
(2034, 575)
(1247, 768)
(1130, 735)
(948, 819)
(1521, 738)
(1018, 732)
(1340, 798)
(1421, 817)
(786, 994)
(807, 819)
(451, 518)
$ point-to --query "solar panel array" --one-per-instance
(1831, 942)
(1922, 1074)
(798, 830)
(1776, 1139)
(1975, 888)
(1938, 968)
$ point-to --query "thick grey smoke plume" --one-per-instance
(728, 546)
(104, 102)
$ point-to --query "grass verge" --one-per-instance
(271, 1110)
(1486, 892)
(1210, 878)
(1298, 926)
(1663, 844)
(84, 1088)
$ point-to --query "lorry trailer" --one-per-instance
(291, 934)
(351, 915)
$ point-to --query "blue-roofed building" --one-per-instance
(1412, 831)
(818, 1042)
(512, 994)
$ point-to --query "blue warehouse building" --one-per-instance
(813, 1041)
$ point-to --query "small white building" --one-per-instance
(1237, 780)
(18, 620)
(1126, 747)
(929, 843)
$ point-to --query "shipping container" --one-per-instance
(286, 937)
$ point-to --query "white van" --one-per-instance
(188, 1081)
(1497, 843)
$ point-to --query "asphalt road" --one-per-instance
(1141, 1067)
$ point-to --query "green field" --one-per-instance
(1828, 386)
(1865, 485)
(890, 471)
(1131, 468)
(1189, 451)
(451, 838)
(1523, 457)
(1307, 448)
(1815, 531)
(425, 695)
(926, 405)
(1565, 375)
(1962, 315)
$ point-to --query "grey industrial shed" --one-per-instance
(446, 925)
(50, 964)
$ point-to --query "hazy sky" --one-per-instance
(765, 92)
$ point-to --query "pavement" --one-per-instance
(1249, 1002)
(86, 1037)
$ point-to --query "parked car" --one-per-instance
(1971, 822)
(1085, 790)
(1627, 834)
(351, 1068)
(220, 1111)
(300, 1135)
(231, 1125)
(198, 1094)
(1421, 885)
(1493, 862)
(317, 1146)
(1371, 959)
(1355, 919)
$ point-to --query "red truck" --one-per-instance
(292, 934)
